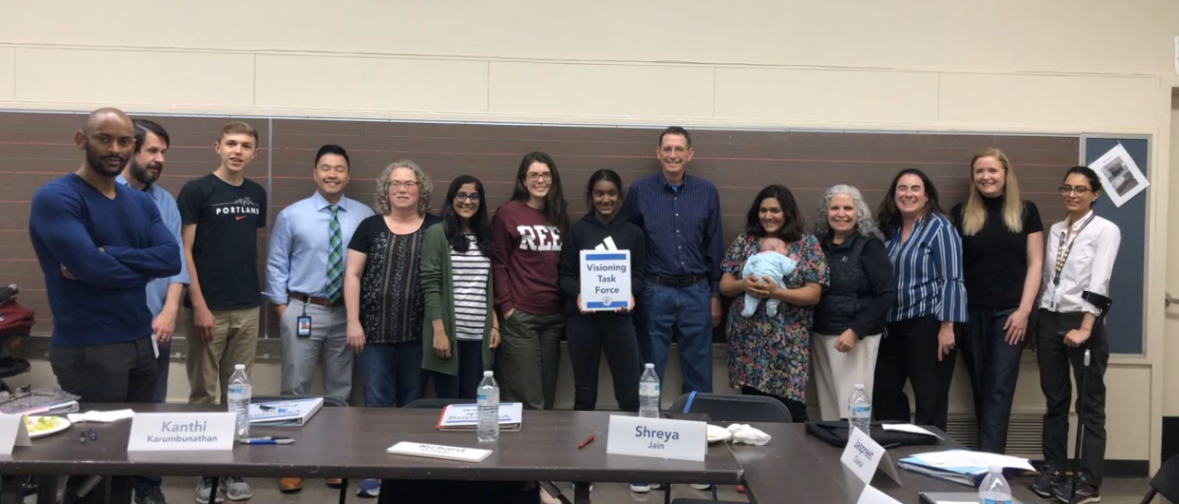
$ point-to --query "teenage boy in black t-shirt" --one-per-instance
(221, 214)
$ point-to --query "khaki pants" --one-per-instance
(836, 373)
(210, 364)
(529, 357)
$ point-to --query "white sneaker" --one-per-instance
(640, 487)
(702, 486)
(204, 487)
(236, 488)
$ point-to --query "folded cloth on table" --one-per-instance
(746, 434)
(101, 416)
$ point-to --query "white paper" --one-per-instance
(910, 428)
(1176, 54)
(467, 415)
(871, 495)
(956, 502)
(657, 437)
(438, 451)
(1120, 177)
(101, 416)
(13, 432)
(864, 455)
(605, 280)
(182, 432)
(964, 459)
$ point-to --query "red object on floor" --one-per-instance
(740, 489)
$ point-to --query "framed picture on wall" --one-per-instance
(1120, 177)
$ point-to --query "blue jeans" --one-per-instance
(392, 374)
(465, 385)
(685, 314)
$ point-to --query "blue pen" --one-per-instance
(268, 441)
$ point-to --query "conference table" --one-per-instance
(350, 443)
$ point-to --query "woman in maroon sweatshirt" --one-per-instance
(527, 232)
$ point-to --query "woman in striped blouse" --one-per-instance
(926, 255)
(460, 321)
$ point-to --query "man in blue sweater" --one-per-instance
(99, 244)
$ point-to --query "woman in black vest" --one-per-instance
(1003, 257)
(850, 315)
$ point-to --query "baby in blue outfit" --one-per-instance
(771, 264)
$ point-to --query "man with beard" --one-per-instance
(163, 294)
(99, 243)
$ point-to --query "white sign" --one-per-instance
(863, 456)
(182, 432)
(438, 451)
(871, 495)
(657, 437)
(1120, 177)
(605, 280)
(13, 432)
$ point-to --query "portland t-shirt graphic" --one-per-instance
(238, 208)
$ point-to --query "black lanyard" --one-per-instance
(1062, 252)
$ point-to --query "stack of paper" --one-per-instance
(466, 417)
(293, 413)
(962, 466)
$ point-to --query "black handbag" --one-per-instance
(836, 433)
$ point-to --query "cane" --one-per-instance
(1102, 303)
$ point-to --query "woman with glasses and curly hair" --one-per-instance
(850, 316)
(527, 232)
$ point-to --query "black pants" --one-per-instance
(118, 372)
(909, 351)
(993, 365)
(1054, 358)
(470, 372)
(589, 336)
(797, 408)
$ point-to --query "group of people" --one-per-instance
(881, 298)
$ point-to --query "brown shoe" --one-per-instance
(335, 482)
(290, 485)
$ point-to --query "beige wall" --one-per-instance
(1052, 66)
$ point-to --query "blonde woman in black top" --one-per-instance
(1002, 255)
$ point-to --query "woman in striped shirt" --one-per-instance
(460, 321)
(926, 255)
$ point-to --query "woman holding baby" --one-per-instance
(850, 317)
(769, 346)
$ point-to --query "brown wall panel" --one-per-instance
(35, 148)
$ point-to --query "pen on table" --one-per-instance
(587, 441)
(267, 441)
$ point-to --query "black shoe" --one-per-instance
(1046, 483)
(1086, 492)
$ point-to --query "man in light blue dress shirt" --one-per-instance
(163, 294)
(300, 283)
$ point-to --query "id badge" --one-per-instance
(304, 326)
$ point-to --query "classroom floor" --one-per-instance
(180, 491)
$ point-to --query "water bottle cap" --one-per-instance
(650, 366)
(239, 367)
(996, 469)
(859, 386)
(487, 373)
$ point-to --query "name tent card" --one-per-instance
(863, 456)
(458, 453)
(182, 432)
(871, 495)
(657, 437)
(605, 280)
(13, 432)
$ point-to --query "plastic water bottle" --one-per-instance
(994, 489)
(649, 393)
(488, 409)
(240, 393)
(859, 410)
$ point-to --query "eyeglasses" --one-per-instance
(462, 196)
(535, 176)
(397, 185)
(1066, 190)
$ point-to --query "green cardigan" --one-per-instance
(438, 287)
